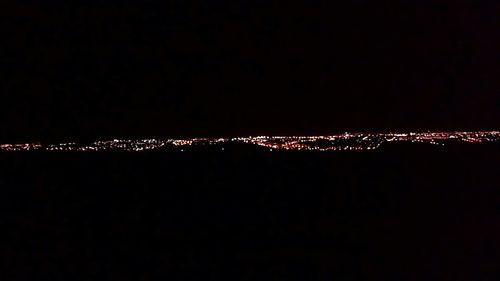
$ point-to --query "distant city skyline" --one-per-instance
(345, 141)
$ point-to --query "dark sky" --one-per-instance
(210, 68)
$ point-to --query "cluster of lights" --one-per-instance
(341, 142)
(20, 146)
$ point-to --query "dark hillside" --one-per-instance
(398, 213)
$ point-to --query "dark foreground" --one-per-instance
(400, 213)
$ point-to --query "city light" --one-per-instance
(341, 142)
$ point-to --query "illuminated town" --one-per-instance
(340, 142)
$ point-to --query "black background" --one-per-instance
(217, 68)
(211, 68)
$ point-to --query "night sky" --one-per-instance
(237, 68)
